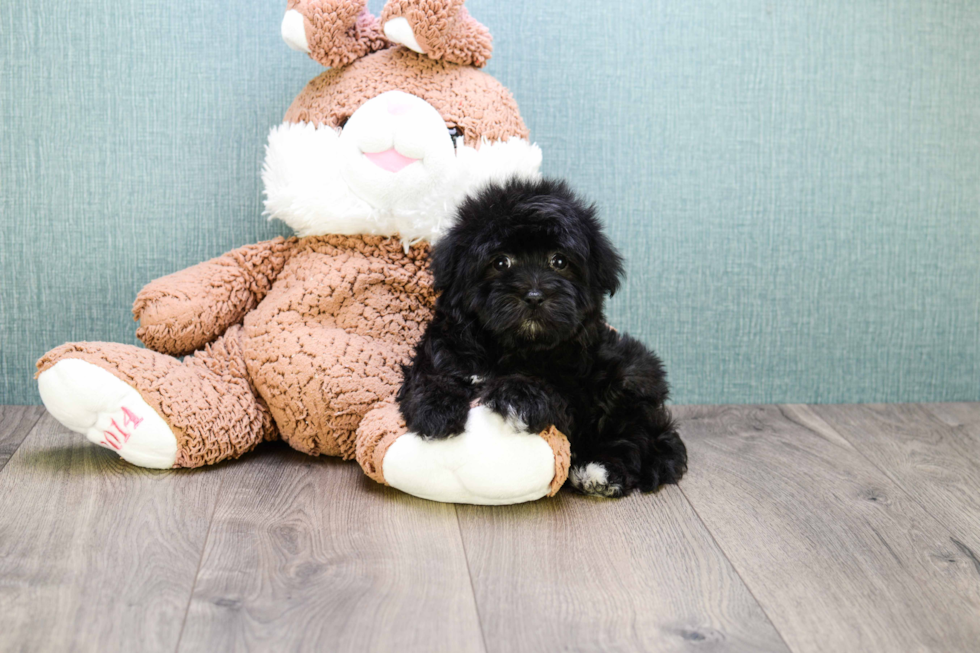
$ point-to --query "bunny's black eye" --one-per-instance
(558, 262)
(501, 263)
(455, 133)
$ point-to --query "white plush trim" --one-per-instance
(490, 463)
(305, 185)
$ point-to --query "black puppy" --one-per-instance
(519, 326)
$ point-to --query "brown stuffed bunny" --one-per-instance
(302, 338)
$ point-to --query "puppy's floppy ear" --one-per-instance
(606, 265)
(442, 263)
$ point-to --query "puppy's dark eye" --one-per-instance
(501, 263)
(558, 262)
(342, 122)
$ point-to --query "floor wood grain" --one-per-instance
(798, 529)
(581, 574)
(836, 553)
(96, 554)
(15, 423)
(309, 555)
(930, 453)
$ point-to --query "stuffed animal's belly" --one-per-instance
(327, 342)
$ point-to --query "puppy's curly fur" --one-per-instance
(519, 326)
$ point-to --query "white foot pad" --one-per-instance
(91, 401)
(490, 463)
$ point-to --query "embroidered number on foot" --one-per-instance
(116, 439)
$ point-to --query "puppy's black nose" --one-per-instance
(534, 297)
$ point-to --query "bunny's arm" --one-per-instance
(184, 311)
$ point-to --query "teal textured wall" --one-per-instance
(796, 186)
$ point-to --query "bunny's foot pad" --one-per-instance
(89, 400)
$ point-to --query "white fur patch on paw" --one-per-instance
(489, 463)
(593, 479)
(91, 401)
(399, 31)
(294, 31)
(514, 421)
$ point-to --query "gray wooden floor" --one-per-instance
(798, 528)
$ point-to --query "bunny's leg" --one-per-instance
(152, 409)
(489, 463)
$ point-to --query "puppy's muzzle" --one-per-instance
(534, 298)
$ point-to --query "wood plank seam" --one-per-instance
(39, 413)
(935, 412)
(748, 588)
(200, 561)
(469, 572)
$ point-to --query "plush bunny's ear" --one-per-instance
(333, 32)
(441, 29)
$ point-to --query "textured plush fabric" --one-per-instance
(339, 31)
(325, 345)
(184, 311)
(563, 457)
(378, 430)
(795, 186)
(468, 99)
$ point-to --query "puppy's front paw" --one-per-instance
(436, 419)
(597, 480)
(521, 402)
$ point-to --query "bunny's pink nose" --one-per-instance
(390, 160)
(397, 108)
